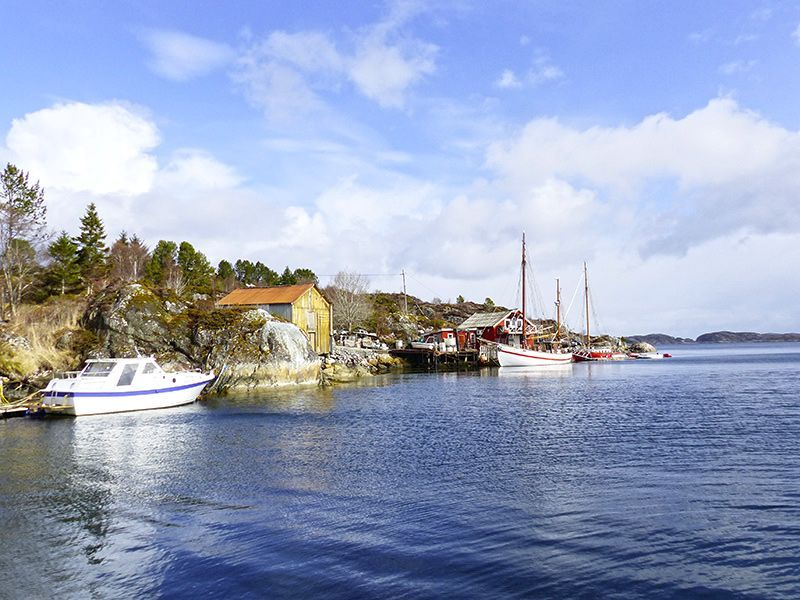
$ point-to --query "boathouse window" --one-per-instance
(98, 369)
(127, 374)
(149, 368)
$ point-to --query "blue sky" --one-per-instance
(658, 141)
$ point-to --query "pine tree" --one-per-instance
(162, 270)
(64, 273)
(226, 276)
(287, 277)
(196, 269)
(305, 276)
(92, 249)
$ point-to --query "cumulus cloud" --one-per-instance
(96, 148)
(718, 169)
(179, 56)
(192, 169)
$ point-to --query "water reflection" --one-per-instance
(536, 372)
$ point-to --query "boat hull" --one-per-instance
(508, 356)
(106, 402)
(592, 355)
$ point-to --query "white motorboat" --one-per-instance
(111, 385)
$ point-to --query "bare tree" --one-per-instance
(22, 231)
(128, 258)
(348, 293)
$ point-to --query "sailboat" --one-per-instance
(524, 356)
(587, 351)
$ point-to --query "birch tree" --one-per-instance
(22, 231)
(348, 294)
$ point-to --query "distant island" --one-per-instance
(715, 337)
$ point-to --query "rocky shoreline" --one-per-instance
(249, 349)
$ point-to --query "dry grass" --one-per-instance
(42, 325)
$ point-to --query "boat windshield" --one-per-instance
(98, 369)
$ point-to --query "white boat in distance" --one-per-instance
(509, 356)
(523, 356)
(112, 385)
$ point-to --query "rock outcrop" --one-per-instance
(349, 364)
(641, 347)
(248, 348)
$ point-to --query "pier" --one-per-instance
(435, 360)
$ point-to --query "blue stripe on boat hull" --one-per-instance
(55, 394)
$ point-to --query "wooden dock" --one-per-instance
(434, 360)
(6, 412)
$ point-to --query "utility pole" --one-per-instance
(405, 296)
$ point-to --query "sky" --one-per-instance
(657, 141)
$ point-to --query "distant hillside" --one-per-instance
(733, 337)
(715, 337)
(658, 339)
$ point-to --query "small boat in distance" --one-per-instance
(112, 385)
(524, 356)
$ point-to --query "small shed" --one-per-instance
(304, 305)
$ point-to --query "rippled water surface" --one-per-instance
(671, 478)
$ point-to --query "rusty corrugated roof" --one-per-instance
(284, 294)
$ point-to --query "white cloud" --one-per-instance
(288, 74)
(543, 70)
(100, 148)
(738, 67)
(796, 35)
(508, 80)
(716, 170)
(192, 169)
(179, 56)
(383, 72)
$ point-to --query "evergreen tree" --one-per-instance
(162, 269)
(226, 275)
(287, 277)
(196, 269)
(64, 273)
(305, 276)
(92, 249)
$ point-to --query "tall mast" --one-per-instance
(586, 296)
(524, 339)
(558, 308)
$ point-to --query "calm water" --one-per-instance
(674, 478)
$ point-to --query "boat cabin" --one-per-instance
(119, 372)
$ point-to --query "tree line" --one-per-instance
(35, 264)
